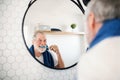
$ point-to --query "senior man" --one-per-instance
(50, 56)
(102, 60)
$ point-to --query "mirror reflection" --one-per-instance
(50, 56)
(48, 33)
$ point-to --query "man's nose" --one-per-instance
(42, 43)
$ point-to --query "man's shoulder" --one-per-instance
(54, 55)
(102, 60)
(106, 46)
(31, 49)
(107, 50)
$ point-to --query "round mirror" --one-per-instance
(52, 32)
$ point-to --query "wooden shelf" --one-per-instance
(63, 33)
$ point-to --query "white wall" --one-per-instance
(54, 13)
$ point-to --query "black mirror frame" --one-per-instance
(29, 5)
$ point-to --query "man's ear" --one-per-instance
(91, 22)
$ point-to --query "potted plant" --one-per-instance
(73, 26)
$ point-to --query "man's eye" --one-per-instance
(44, 40)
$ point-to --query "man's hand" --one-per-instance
(54, 48)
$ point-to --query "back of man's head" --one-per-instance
(104, 9)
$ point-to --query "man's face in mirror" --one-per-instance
(40, 40)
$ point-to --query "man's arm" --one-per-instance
(60, 61)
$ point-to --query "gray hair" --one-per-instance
(37, 32)
(104, 9)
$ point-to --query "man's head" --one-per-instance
(39, 40)
(97, 12)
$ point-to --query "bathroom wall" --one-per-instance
(56, 14)
(15, 61)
